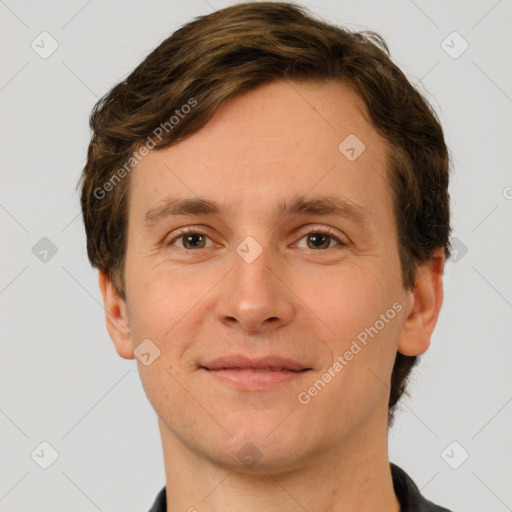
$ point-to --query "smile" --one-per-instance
(254, 374)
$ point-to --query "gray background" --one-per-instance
(62, 381)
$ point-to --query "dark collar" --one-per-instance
(406, 491)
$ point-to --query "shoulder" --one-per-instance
(409, 495)
(160, 503)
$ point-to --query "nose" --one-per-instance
(255, 296)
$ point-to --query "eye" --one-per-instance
(318, 238)
(191, 239)
(321, 238)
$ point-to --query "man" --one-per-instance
(266, 200)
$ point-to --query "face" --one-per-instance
(276, 303)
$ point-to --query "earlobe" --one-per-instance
(116, 316)
(425, 305)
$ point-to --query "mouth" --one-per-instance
(254, 374)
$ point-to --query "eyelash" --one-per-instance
(319, 230)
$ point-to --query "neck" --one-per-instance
(355, 478)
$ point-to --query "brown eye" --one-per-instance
(321, 239)
(190, 240)
(318, 241)
(193, 241)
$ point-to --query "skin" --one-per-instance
(260, 148)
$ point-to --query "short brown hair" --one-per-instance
(216, 56)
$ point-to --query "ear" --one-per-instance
(116, 317)
(425, 303)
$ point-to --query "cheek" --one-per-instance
(351, 299)
(365, 311)
(366, 323)
(164, 302)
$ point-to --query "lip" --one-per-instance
(255, 374)
(242, 362)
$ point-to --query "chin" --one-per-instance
(261, 445)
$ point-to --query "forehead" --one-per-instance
(280, 140)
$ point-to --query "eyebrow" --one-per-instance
(301, 205)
